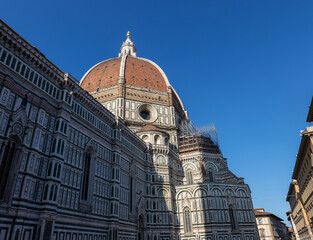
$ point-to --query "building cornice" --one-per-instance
(29, 53)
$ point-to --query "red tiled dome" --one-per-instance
(103, 75)
(141, 73)
(138, 75)
(138, 72)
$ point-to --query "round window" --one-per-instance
(147, 113)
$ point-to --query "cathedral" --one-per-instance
(113, 156)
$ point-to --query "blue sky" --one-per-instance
(245, 66)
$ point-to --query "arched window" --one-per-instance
(112, 191)
(55, 194)
(189, 177)
(157, 139)
(49, 169)
(46, 192)
(145, 138)
(141, 228)
(242, 193)
(113, 173)
(5, 166)
(161, 159)
(57, 125)
(62, 148)
(17, 234)
(262, 232)
(59, 170)
(54, 142)
(55, 169)
(229, 192)
(65, 128)
(62, 126)
(59, 146)
(232, 217)
(86, 176)
(131, 194)
(217, 192)
(210, 175)
(187, 220)
(51, 192)
(111, 208)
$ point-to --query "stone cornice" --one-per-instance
(29, 53)
(19, 46)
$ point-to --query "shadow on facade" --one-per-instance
(212, 203)
(159, 206)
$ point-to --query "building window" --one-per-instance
(49, 169)
(232, 218)
(55, 194)
(53, 145)
(262, 232)
(161, 159)
(145, 115)
(131, 195)
(116, 158)
(86, 176)
(45, 195)
(189, 177)
(51, 192)
(157, 139)
(115, 174)
(187, 220)
(5, 166)
(17, 234)
(210, 175)
(141, 228)
(145, 138)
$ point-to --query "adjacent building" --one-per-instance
(270, 226)
(300, 194)
(113, 156)
(293, 233)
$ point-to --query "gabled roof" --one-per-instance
(261, 212)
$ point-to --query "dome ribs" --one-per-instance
(140, 73)
(104, 75)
